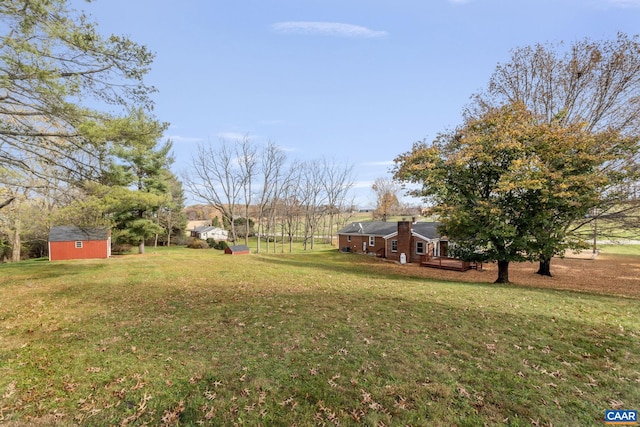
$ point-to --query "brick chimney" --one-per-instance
(404, 238)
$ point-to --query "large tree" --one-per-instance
(55, 70)
(505, 183)
(591, 84)
(141, 166)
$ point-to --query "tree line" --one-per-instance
(286, 200)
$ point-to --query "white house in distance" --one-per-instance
(205, 232)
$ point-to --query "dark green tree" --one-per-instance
(140, 166)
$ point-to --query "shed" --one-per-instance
(74, 242)
(237, 250)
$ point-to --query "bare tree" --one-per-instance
(288, 204)
(337, 180)
(247, 162)
(272, 163)
(215, 179)
(312, 198)
(595, 82)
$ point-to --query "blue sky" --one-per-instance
(352, 80)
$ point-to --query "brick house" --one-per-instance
(390, 240)
(73, 242)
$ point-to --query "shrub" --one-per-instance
(195, 243)
(211, 242)
(180, 240)
(221, 245)
(121, 248)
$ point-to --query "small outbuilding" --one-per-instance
(237, 250)
(74, 242)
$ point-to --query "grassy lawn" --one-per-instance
(188, 337)
(620, 249)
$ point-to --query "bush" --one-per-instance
(211, 242)
(179, 240)
(121, 248)
(221, 245)
(195, 243)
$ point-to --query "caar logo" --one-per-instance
(621, 417)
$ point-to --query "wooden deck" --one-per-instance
(445, 263)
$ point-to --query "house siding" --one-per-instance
(391, 254)
(416, 257)
(96, 242)
(360, 244)
(59, 251)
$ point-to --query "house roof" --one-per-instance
(207, 228)
(238, 248)
(428, 230)
(68, 233)
(370, 228)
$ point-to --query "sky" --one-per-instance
(353, 81)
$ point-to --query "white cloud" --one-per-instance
(383, 163)
(326, 29)
(183, 139)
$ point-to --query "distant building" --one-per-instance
(205, 232)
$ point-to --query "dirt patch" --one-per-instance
(606, 274)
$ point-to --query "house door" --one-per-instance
(444, 248)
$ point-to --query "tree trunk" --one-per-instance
(141, 247)
(16, 244)
(545, 267)
(259, 232)
(503, 272)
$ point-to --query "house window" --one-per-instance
(394, 246)
(78, 244)
(372, 240)
(348, 238)
(419, 247)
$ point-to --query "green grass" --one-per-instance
(620, 249)
(188, 337)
